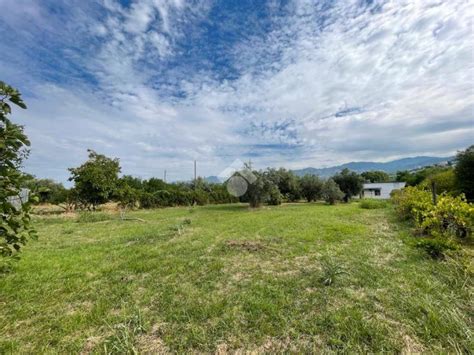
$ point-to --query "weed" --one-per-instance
(331, 269)
(124, 337)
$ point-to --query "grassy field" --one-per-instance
(305, 277)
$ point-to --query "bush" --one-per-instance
(412, 203)
(451, 217)
(436, 248)
(372, 204)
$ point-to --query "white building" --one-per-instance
(381, 190)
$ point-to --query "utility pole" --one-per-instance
(164, 176)
(195, 175)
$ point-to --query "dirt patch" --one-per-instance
(246, 245)
(90, 344)
(152, 343)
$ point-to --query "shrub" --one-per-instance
(451, 217)
(147, 200)
(445, 181)
(372, 204)
(412, 203)
(436, 247)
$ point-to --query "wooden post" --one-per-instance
(433, 191)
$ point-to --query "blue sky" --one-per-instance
(160, 83)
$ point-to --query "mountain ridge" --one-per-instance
(410, 163)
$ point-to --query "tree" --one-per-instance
(47, 190)
(464, 172)
(349, 182)
(375, 176)
(96, 180)
(261, 189)
(445, 181)
(331, 192)
(15, 228)
(286, 181)
(311, 187)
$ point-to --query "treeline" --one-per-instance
(97, 181)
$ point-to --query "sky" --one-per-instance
(161, 83)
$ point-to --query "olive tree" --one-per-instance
(311, 187)
(349, 182)
(15, 228)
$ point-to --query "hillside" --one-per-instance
(389, 167)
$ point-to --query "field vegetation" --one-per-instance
(296, 277)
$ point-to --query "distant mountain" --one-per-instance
(388, 167)
(361, 166)
(213, 179)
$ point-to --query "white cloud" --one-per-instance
(330, 82)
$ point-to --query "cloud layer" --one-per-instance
(159, 83)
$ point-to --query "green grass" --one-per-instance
(370, 204)
(294, 278)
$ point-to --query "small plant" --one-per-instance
(187, 221)
(331, 269)
(372, 204)
(436, 247)
(124, 336)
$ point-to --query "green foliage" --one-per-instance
(15, 228)
(415, 178)
(375, 176)
(412, 203)
(436, 247)
(331, 192)
(349, 182)
(47, 190)
(274, 196)
(445, 181)
(95, 181)
(286, 181)
(126, 195)
(464, 172)
(371, 204)
(261, 190)
(311, 187)
(451, 217)
(331, 269)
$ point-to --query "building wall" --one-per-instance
(385, 189)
